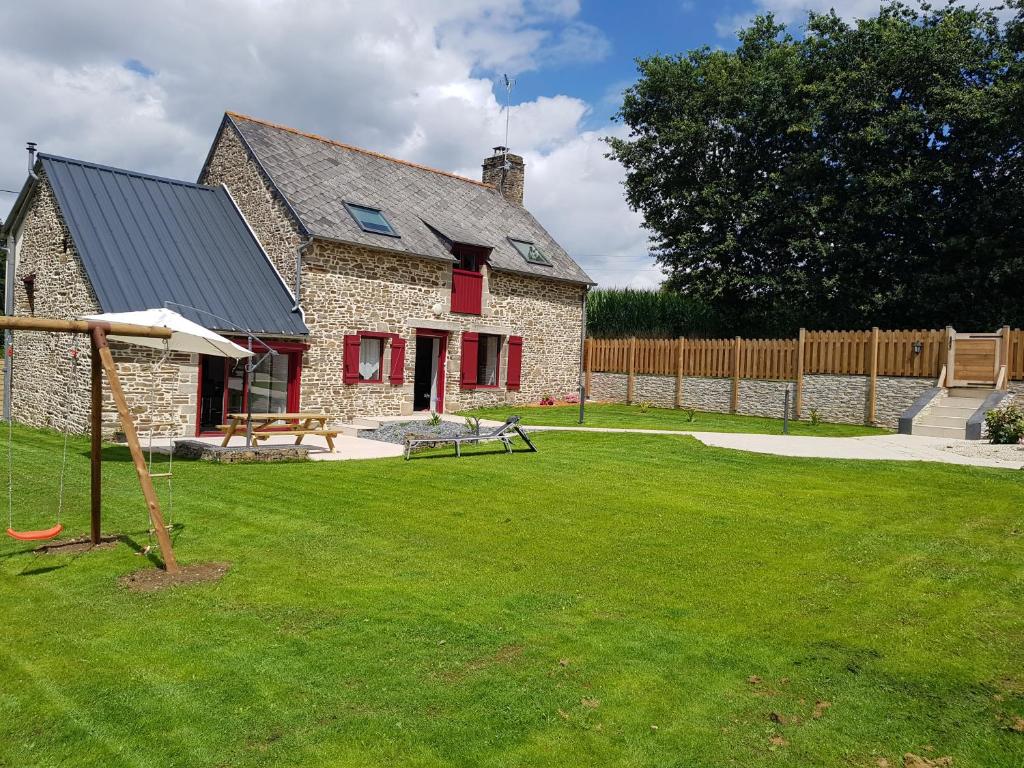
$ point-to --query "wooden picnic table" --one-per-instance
(266, 424)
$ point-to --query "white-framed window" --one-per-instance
(371, 359)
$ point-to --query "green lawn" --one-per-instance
(611, 600)
(633, 417)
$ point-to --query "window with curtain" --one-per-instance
(371, 359)
(487, 360)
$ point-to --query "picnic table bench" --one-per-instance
(266, 425)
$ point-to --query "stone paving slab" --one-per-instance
(345, 448)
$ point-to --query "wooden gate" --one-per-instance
(974, 359)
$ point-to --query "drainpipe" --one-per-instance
(298, 274)
(9, 293)
(583, 349)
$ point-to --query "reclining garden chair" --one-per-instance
(503, 433)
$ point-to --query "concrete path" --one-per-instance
(876, 447)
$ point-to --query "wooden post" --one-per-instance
(735, 403)
(798, 396)
(588, 377)
(1004, 357)
(128, 425)
(631, 372)
(95, 444)
(873, 372)
(680, 358)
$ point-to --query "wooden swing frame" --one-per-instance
(102, 361)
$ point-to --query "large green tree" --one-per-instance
(855, 175)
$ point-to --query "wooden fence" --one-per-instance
(917, 353)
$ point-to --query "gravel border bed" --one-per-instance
(395, 431)
(984, 450)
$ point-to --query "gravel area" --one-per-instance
(395, 431)
(984, 450)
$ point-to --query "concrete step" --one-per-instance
(972, 393)
(933, 419)
(959, 402)
(953, 432)
(348, 430)
(951, 410)
(364, 423)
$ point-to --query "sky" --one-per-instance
(144, 85)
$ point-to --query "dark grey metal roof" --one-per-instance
(148, 242)
(316, 176)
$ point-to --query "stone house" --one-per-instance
(383, 287)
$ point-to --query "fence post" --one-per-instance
(680, 352)
(590, 368)
(1004, 356)
(631, 372)
(947, 339)
(735, 404)
(798, 397)
(873, 381)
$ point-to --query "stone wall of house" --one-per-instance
(841, 399)
(263, 208)
(348, 288)
(51, 387)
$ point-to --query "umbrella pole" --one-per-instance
(248, 400)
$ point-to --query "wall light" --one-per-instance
(918, 347)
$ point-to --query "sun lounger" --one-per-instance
(503, 434)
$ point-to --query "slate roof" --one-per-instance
(146, 240)
(316, 176)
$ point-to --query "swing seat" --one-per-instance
(44, 535)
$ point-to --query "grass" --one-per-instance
(610, 600)
(636, 417)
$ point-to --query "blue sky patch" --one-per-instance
(136, 66)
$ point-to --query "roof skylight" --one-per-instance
(530, 252)
(371, 220)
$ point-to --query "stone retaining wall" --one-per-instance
(842, 399)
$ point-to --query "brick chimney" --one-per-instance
(506, 173)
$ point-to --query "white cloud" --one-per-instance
(605, 235)
(143, 86)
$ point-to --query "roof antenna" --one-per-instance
(510, 83)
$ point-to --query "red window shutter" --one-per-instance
(467, 291)
(397, 360)
(515, 362)
(470, 343)
(351, 361)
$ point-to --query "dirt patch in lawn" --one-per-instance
(504, 656)
(155, 579)
(76, 546)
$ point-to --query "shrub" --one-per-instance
(691, 414)
(435, 419)
(1005, 425)
(644, 406)
(814, 417)
(547, 400)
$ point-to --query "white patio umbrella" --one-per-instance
(186, 336)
